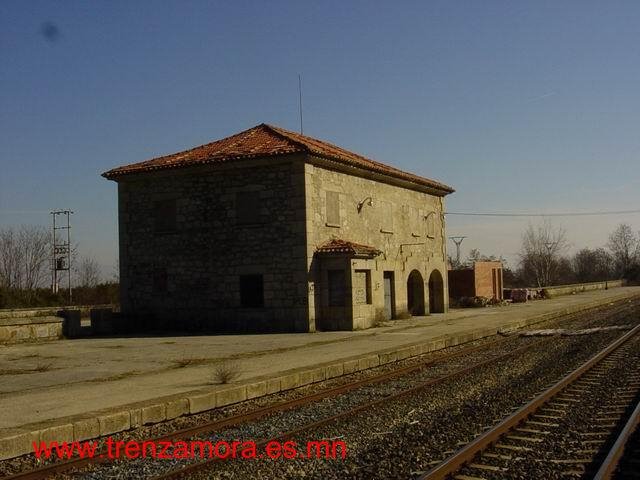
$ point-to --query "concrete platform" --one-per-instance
(79, 389)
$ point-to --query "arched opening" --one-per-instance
(415, 293)
(436, 292)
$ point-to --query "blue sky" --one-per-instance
(521, 106)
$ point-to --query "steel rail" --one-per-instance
(200, 466)
(215, 425)
(610, 463)
(470, 451)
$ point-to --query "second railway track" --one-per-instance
(564, 432)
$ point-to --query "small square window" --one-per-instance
(164, 215)
(251, 291)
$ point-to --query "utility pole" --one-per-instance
(61, 251)
(549, 260)
(458, 242)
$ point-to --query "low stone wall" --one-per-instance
(30, 328)
(556, 291)
(51, 323)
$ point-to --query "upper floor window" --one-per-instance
(386, 225)
(333, 209)
(431, 224)
(248, 208)
(164, 215)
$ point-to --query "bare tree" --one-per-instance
(24, 256)
(88, 272)
(476, 256)
(542, 249)
(592, 265)
(624, 247)
(115, 275)
(10, 259)
(34, 243)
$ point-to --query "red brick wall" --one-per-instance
(488, 279)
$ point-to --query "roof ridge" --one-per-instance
(286, 134)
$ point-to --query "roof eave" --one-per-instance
(437, 189)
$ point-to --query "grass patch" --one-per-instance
(119, 376)
(189, 362)
(43, 367)
(40, 367)
(226, 371)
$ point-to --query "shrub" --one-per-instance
(226, 371)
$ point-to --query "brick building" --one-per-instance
(484, 279)
(270, 230)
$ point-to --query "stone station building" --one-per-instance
(271, 230)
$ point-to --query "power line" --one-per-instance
(566, 214)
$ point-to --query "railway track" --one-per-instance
(623, 460)
(58, 468)
(563, 432)
(439, 370)
(199, 467)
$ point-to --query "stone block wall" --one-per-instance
(405, 224)
(202, 259)
(19, 329)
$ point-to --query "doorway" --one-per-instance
(436, 292)
(389, 296)
(415, 293)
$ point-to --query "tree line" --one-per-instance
(544, 260)
(25, 272)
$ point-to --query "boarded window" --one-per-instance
(362, 287)
(160, 282)
(431, 225)
(386, 225)
(337, 288)
(251, 291)
(248, 208)
(164, 215)
(333, 209)
(415, 221)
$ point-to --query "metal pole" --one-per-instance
(458, 242)
(54, 286)
(69, 254)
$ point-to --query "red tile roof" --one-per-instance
(265, 141)
(336, 245)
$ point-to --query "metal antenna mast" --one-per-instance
(458, 242)
(300, 100)
(61, 251)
